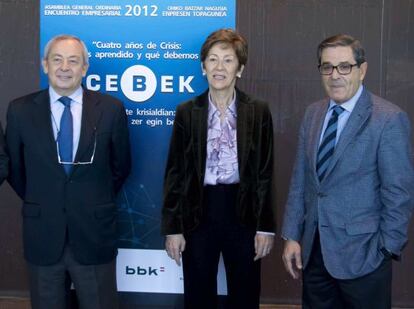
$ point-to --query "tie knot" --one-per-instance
(65, 101)
(338, 110)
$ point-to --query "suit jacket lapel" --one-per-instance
(199, 115)
(43, 124)
(358, 118)
(245, 124)
(91, 114)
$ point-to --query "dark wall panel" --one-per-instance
(399, 88)
(19, 74)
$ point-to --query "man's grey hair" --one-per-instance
(63, 37)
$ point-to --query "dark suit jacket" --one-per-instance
(4, 159)
(365, 200)
(184, 176)
(79, 208)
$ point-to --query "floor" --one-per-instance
(23, 303)
(14, 303)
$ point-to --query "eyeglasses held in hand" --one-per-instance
(77, 162)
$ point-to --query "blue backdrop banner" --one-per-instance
(146, 53)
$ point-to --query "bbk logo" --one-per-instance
(139, 83)
(143, 271)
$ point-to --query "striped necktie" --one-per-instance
(327, 147)
(65, 136)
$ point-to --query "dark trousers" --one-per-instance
(95, 285)
(218, 233)
(322, 291)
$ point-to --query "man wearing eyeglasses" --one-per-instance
(69, 156)
(351, 193)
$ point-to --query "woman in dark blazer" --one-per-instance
(217, 190)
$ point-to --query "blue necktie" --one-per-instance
(65, 135)
(327, 147)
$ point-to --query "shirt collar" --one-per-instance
(212, 108)
(350, 104)
(76, 96)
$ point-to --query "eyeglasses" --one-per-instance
(77, 162)
(342, 68)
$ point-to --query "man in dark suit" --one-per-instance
(70, 154)
(351, 194)
(4, 159)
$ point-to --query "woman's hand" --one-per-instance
(263, 243)
(175, 244)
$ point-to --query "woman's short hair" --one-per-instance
(227, 37)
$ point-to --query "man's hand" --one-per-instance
(263, 243)
(175, 244)
(292, 252)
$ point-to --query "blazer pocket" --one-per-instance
(371, 225)
(106, 210)
(31, 210)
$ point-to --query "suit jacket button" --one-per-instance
(321, 194)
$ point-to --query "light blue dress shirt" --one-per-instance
(348, 107)
(56, 109)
